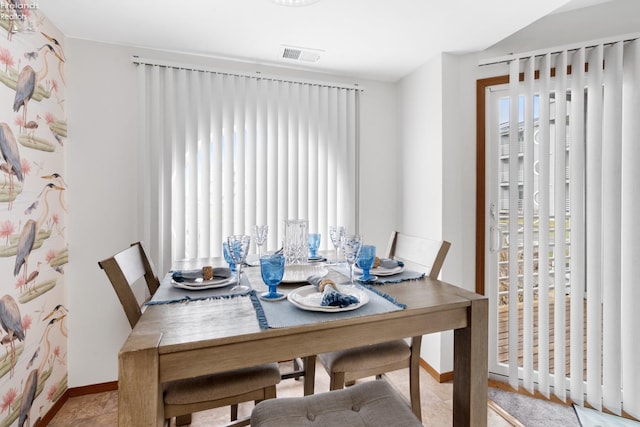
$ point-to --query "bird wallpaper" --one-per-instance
(33, 246)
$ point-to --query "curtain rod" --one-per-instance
(256, 75)
(554, 50)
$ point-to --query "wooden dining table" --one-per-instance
(187, 339)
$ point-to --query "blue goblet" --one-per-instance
(272, 271)
(227, 256)
(314, 244)
(365, 262)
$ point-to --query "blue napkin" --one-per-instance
(193, 275)
(331, 296)
(390, 263)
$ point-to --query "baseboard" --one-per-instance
(93, 388)
(440, 377)
(74, 392)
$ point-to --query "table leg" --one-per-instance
(471, 368)
(138, 379)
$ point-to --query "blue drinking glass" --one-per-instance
(365, 262)
(314, 244)
(272, 271)
(227, 256)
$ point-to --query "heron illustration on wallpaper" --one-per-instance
(11, 155)
(33, 245)
(28, 81)
(31, 234)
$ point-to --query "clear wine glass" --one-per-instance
(336, 232)
(351, 245)
(272, 271)
(260, 237)
(238, 249)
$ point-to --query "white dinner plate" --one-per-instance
(205, 284)
(299, 273)
(381, 271)
(308, 298)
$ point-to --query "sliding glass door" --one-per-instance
(528, 265)
(560, 223)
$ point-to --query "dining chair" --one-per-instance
(346, 366)
(372, 403)
(183, 397)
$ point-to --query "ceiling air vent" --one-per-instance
(290, 53)
(300, 54)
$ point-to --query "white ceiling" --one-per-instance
(374, 39)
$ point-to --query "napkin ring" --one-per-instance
(324, 282)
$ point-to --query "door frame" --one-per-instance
(481, 87)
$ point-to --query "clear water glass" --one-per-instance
(260, 237)
(365, 262)
(351, 246)
(336, 232)
(238, 250)
(314, 244)
(272, 271)
(296, 240)
(227, 256)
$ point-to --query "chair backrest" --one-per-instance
(418, 253)
(126, 268)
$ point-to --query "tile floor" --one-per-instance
(101, 409)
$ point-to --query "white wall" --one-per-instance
(437, 174)
(420, 130)
(420, 178)
(102, 171)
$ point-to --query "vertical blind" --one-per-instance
(576, 222)
(224, 152)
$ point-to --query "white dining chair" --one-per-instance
(183, 397)
(346, 366)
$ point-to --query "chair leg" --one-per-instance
(234, 412)
(414, 391)
(270, 392)
(183, 420)
(298, 368)
(309, 375)
(414, 376)
(337, 381)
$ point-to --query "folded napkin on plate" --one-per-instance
(180, 276)
(390, 263)
(331, 296)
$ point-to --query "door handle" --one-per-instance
(496, 239)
